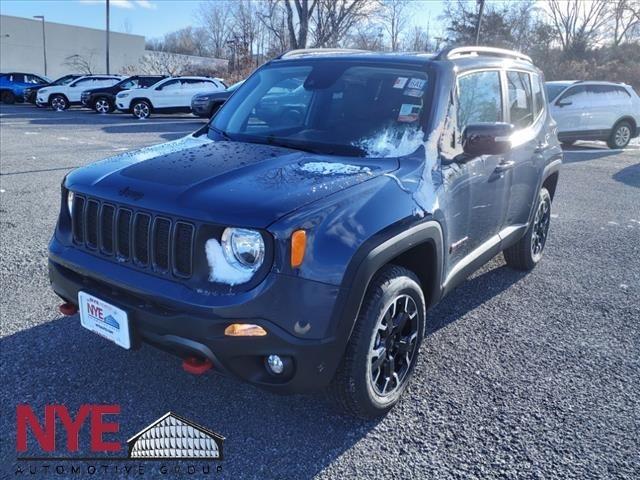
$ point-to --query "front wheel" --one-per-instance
(527, 253)
(8, 98)
(59, 103)
(103, 105)
(141, 109)
(383, 348)
(620, 135)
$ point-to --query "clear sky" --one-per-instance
(151, 18)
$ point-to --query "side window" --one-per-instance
(538, 95)
(171, 85)
(520, 99)
(574, 93)
(17, 77)
(479, 98)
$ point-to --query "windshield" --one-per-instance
(65, 80)
(341, 108)
(554, 89)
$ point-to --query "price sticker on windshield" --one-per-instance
(417, 83)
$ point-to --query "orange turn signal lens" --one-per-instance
(298, 247)
(244, 330)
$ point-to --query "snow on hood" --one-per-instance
(392, 142)
(330, 168)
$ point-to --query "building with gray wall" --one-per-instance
(21, 48)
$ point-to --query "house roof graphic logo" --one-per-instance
(175, 437)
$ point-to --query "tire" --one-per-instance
(360, 387)
(59, 103)
(8, 98)
(103, 105)
(527, 253)
(141, 109)
(620, 135)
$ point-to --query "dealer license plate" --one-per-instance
(105, 319)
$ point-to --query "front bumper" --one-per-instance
(186, 329)
(201, 107)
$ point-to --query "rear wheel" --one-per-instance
(383, 348)
(526, 254)
(620, 135)
(8, 97)
(141, 109)
(103, 105)
(59, 103)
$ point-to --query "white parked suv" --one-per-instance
(586, 110)
(170, 95)
(61, 97)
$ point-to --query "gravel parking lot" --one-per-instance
(523, 376)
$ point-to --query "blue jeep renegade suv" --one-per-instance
(298, 240)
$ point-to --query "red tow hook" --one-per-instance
(68, 309)
(196, 366)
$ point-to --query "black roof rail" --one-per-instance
(451, 53)
(319, 51)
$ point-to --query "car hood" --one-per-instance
(231, 183)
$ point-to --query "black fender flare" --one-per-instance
(369, 259)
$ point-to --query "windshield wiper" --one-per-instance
(222, 133)
(271, 140)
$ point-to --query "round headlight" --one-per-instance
(243, 248)
(70, 202)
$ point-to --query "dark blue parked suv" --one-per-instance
(302, 250)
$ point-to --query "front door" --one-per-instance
(480, 101)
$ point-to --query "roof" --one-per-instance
(464, 57)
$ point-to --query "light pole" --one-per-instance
(107, 29)
(44, 43)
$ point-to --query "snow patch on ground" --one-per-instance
(329, 168)
(392, 142)
(220, 271)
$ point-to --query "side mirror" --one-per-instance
(487, 139)
(564, 103)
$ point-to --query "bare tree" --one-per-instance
(394, 20)
(215, 17)
(625, 20)
(366, 37)
(578, 24)
(335, 18)
(80, 63)
(273, 16)
(159, 63)
(417, 40)
(298, 25)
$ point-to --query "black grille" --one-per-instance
(141, 237)
(161, 243)
(106, 228)
(124, 233)
(151, 242)
(182, 254)
(91, 217)
(78, 219)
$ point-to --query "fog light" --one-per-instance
(275, 364)
(244, 330)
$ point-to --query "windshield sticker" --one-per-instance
(409, 112)
(413, 92)
(400, 82)
(417, 83)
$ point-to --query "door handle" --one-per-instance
(501, 167)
